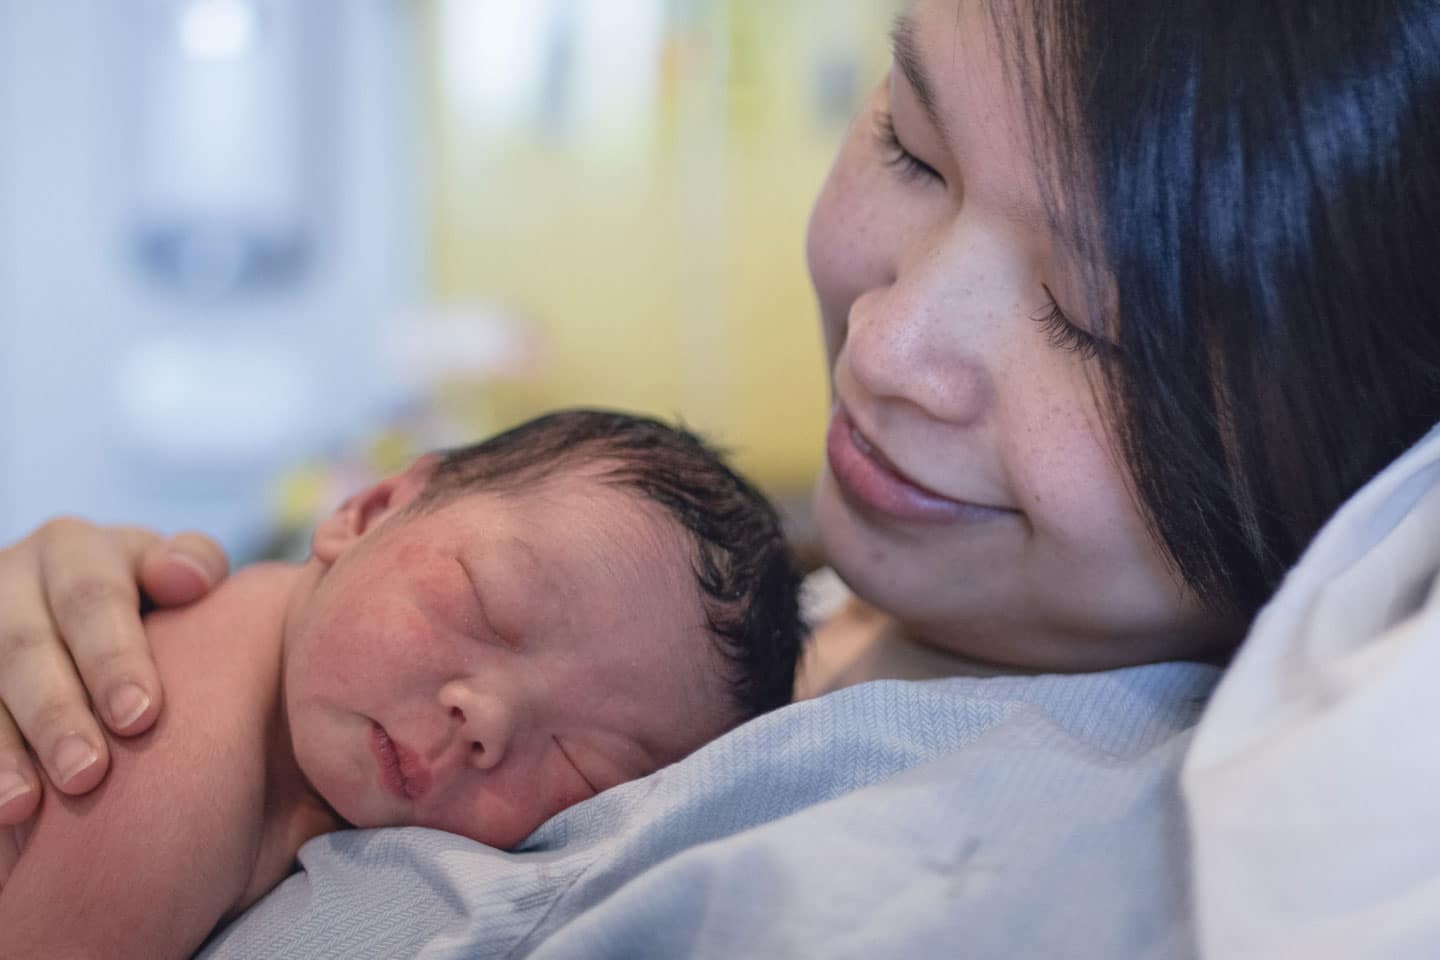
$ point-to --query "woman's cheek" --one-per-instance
(825, 261)
(1095, 525)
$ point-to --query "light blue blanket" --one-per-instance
(1004, 817)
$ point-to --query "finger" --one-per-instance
(181, 569)
(19, 784)
(88, 574)
(38, 684)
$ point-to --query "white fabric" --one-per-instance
(1012, 817)
(1313, 783)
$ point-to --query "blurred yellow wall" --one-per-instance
(658, 247)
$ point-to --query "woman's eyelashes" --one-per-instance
(1058, 328)
(906, 165)
(1064, 334)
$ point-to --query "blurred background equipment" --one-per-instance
(230, 135)
(211, 216)
(261, 251)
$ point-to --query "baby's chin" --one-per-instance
(354, 805)
(355, 816)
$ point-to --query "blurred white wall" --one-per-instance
(122, 398)
(7, 273)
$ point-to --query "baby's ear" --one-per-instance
(359, 514)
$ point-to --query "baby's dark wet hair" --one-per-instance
(743, 566)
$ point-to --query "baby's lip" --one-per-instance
(402, 773)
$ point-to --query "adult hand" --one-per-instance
(70, 615)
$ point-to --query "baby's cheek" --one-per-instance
(566, 788)
(398, 641)
(568, 798)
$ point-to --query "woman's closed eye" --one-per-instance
(1066, 335)
(908, 167)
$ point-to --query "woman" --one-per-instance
(1119, 304)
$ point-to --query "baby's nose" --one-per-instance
(484, 721)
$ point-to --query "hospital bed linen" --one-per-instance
(1314, 783)
(1004, 817)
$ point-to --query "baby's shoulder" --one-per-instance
(219, 663)
(227, 641)
(12, 841)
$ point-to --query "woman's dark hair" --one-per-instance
(1257, 183)
(743, 567)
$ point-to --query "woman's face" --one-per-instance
(972, 488)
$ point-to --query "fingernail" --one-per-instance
(12, 786)
(73, 757)
(126, 705)
(185, 560)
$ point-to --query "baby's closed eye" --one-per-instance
(570, 761)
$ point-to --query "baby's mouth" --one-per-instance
(401, 773)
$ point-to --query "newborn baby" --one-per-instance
(474, 645)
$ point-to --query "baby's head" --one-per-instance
(509, 628)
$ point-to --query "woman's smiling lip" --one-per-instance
(864, 475)
(401, 772)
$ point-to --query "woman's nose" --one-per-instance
(904, 346)
(484, 722)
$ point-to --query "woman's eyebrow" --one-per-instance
(906, 50)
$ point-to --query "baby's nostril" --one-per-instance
(477, 748)
(458, 714)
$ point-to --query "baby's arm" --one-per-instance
(11, 841)
(148, 863)
(144, 866)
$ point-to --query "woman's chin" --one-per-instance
(920, 585)
(876, 571)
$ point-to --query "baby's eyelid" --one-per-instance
(573, 765)
(508, 641)
(486, 624)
